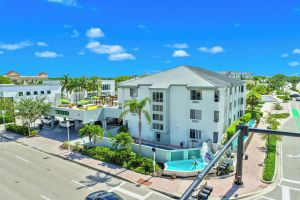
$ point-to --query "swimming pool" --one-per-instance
(251, 123)
(185, 165)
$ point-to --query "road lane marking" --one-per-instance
(43, 197)
(111, 189)
(129, 193)
(22, 159)
(148, 195)
(285, 193)
(268, 198)
(82, 185)
(291, 181)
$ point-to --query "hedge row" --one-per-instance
(281, 115)
(123, 158)
(22, 130)
(7, 119)
(270, 160)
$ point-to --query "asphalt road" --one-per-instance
(28, 174)
(289, 185)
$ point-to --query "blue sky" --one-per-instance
(117, 37)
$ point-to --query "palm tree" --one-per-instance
(123, 139)
(94, 85)
(74, 87)
(65, 84)
(137, 107)
(92, 131)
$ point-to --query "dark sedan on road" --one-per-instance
(294, 95)
(103, 195)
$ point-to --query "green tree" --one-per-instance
(294, 80)
(94, 85)
(137, 107)
(9, 106)
(5, 80)
(261, 89)
(277, 81)
(253, 99)
(277, 106)
(123, 139)
(93, 132)
(65, 84)
(30, 110)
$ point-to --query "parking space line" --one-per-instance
(82, 185)
(285, 193)
(43, 197)
(22, 159)
(148, 195)
(268, 198)
(111, 189)
(129, 193)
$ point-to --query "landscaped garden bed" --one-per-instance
(270, 160)
(281, 115)
(22, 130)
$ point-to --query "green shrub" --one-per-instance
(281, 115)
(246, 118)
(269, 167)
(7, 119)
(124, 158)
(123, 129)
(284, 97)
(22, 130)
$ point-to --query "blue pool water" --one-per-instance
(185, 165)
(251, 123)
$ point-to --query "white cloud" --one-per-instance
(121, 56)
(293, 64)
(214, 50)
(180, 53)
(94, 33)
(143, 28)
(1, 52)
(15, 46)
(71, 3)
(296, 51)
(41, 44)
(74, 34)
(285, 55)
(96, 47)
(47, 54)
(178, 45)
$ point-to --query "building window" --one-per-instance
(216, 116)
(158, 108)
(157, 126)
(133, 92)
(241, 100)
(195, 114)
(157, 136)
(28, 93)
(217, 95)
(48, 92)
(35, 93)
(42, 92)
(230, 106)
(157, 97)
(235, 89)
(106, 87)
(157, 117)
(215, 137)
(242, 88)
(195, 134)
(230, 91)
(234, 104)
(229, 121)
(196, 95)
(20, 94)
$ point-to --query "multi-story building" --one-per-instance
(188, 104)
(18, 79)
(237, 75)
(51, 91)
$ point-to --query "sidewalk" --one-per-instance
(171, 187)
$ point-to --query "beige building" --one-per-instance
(18, 79)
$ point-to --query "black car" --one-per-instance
(103, 195)
(294, 95)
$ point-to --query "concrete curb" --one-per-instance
(90, 167)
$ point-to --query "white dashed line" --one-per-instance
(82, 185)
(291, 181)
(43, 197)
(22, 159)
(111, 189)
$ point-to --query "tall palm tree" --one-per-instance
(65, 84)
(138, 107)
(94, 85)
(74, 86)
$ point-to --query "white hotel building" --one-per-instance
(188, 105)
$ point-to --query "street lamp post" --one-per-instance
(3, 113)
(68, 130)
(154, 163)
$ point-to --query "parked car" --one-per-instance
(63, 124)
(103, 195)
(294, 95)
(47, 120)
(297, 98)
